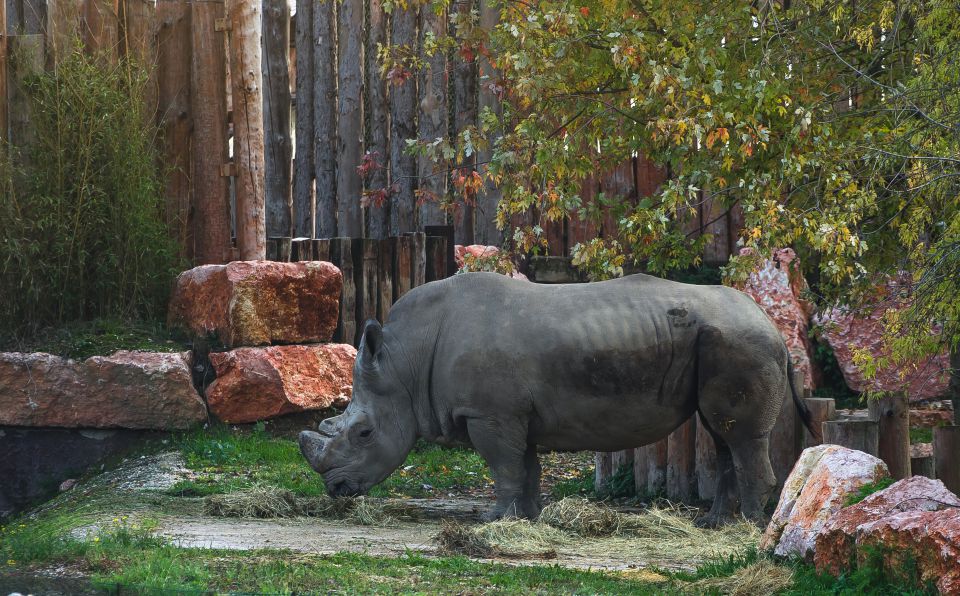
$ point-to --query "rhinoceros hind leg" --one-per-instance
(755, 477)
(725, 498)
(503, 446)
(530, 503)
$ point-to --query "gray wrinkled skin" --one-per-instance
(506, 366)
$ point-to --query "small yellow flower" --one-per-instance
(11, 562)
(96, 539)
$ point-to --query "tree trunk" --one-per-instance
(208, 100)
(247, 85)
(349, 117)
(465, 111)
(325, 117)
(276, 117)
(486, 211)
(403, 114)
(433, 116)
(304, 209)
(378, 118)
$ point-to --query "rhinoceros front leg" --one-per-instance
(503, 446)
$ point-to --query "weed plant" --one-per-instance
(84, 233)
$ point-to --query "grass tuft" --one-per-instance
(580, 516)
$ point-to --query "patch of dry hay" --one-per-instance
(503, 538)
(761, 578)
(265, 502)
(582, 517)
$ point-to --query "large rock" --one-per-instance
(816, 489)
(254, 303)
(835, 544)
(928, 539)
(776, 286)
(258, 383)
(848, 331)
(137, 390)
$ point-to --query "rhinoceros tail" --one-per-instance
(801, 407)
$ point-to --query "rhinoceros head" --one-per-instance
(361, 447)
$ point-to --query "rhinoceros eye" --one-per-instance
(366, 433)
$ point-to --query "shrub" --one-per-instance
(84, 233)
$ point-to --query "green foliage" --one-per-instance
(872, 576)
(619, 485)
(579, 486)
(866, 490)
(84, 234)
(100, 337)
(921, 435)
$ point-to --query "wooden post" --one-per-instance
(378, 119)
(859, 434)
(284, 249)
(324, 80)
(485, 214)
(304, 209)
(208, 103)
(418, 261)
(650, 468)
(892, 414)
(603, 470)
(946, 454)
(366, 260)
(278, 148)
(465, 114)
(448, 233)
(784, 440)
(403, 115)
(246, 76)
(621, 460)
(923, 466)
(402, 267)
(681, 460)
(641, 467)
(433, 114)
(349, 117)
(436, 258)
(385, 262)
(301, 249)
(821, 410)
(321, 249)
(4, 123)
(341, 255)
(706, 464)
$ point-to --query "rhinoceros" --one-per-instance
(509, 366)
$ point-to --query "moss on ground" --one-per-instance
(100, 337)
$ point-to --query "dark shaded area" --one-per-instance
(36, 461)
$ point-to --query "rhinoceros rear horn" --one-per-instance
(371, 342)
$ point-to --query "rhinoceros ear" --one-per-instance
(371, 342)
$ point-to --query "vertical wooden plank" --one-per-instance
(892, 414)
(325, 117)
(349, 116)
(246, 74)
(4, 122)
(304, 208)
(278, 147)
(580, 231)
(62, 28)
(403, 266)
(385, 261)
(681, 461)
(618, 182)
(603, 470)
(208, 99)
(715, 223)
(821, 409)
(433, 114)
(378, 119)
(648, 177)
(26, 17)
(553, 230)
(654, 462)
(641, 470)
(301, 249)
(706, 464)
(946, 454)
(403, 117)
(448, 233)
(26, 60)
(321, 249)
(859, 434)
(436, 258)
(366, 259)
(418, 259)
(101, 28)
(488, 84)
(465, 114)
(341, 255)
(621, 460)
(138, 42)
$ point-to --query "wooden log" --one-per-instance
(859, 434)
(446, 231)
(301, 249)
(325, 117)
(923, 466)
(465, 114)
(485, 213)
(278, 146)
(273, 249)
(304, 209)
(681, 462)
(436, 258)
(821, 410)
(656, 457)
(433, 115)
(341, 255)
(378, 118)
(366, 260)
(622, 460)
(784, 441)
(321, 249)
(418, 260)
(603, 470)
(246, 86)
(706, 464)
(641, 467)
(385, 263)
(892, 413)
(402, 266)
(284, 249)
(946, 454)
(403, 118)
(349, 116)
(208, 105)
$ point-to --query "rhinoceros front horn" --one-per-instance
(311, 446)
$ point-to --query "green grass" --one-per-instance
(101, 337)
(921, 435)
(228, 461)
(866, 490)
